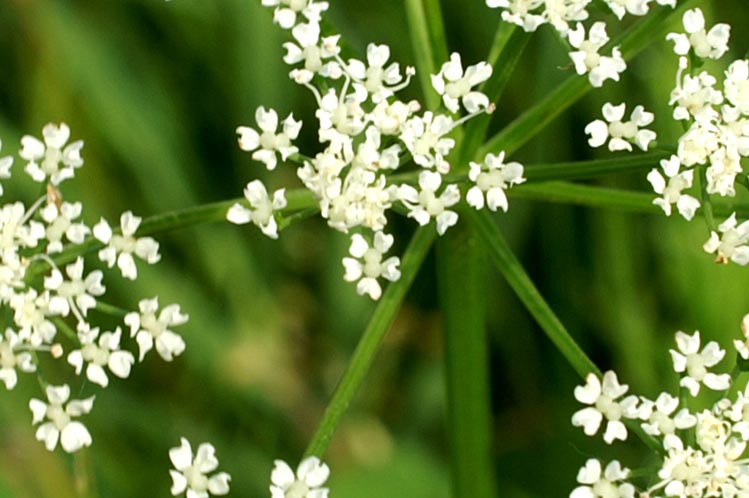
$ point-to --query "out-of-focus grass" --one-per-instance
(156, 90)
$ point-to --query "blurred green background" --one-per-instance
(157, 89)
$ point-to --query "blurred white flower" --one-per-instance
(311, 474)
(52, 158)
(121, 247)
(59, 414)
(191, 474)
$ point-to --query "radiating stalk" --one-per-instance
(418, 28)
(364, 354)
(461, 279)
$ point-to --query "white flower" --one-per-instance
(634, 7)
(31, 312)
(105, 353)
(454, 85)
(45, 157)
(77, 291)
(311, 474)
(5, 164)
(520, 12)
(712, 44)
(425, 139)
(492, 177)
(367, 265)
(121, 247)
(671, 191)
(742, 347)
(261, 208)
(606, 484)
(72, 435)
(694, 363)
(621, 134)
(425, 204)
(59, 220)
(658, 419)
(604, 404)
(149, 329)
(286, 11)
(13, 357)
(731, 244)
(587, 59)
(312, 51)
(269, 142)
(191, 475)
(377, 80)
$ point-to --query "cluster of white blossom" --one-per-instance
(49, 289)
(703, 450)
(367, 135)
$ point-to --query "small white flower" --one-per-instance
(45, 158)
(378, 80)
(13, 357)
(310, 476)
(313, 51)
(492, 178)
(634, 7)
(454, 85)
(621, 135)
(269, 142)
(712, 44)
(602, 398)
(425, 204)
(191, 476)
(105, 353)
(657, 415)
(599, 483)
(425, 139)
(287, 11)
(148, 328)
(742, 347)
(731, 244)
(121, 247)
(5, 164)
(367, 265)
(587, 59)
(671, 192)
(71, 434)
(59, 221)
(261, 208)
(77, 292)
(694, 363)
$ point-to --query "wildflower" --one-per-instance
(604, 484)
(78, 292)
(191, 474)
(742, 347)
(312, 51)
(59, 221)
(12, 356)
(261, 208)
(286, 11)
(377, 80)
(671, 191)
(687, 360)
(425, 139)
(71, 434)
(454, 85)
(492, 177)
(520, 12)
(371, 267)
(602, 398)
(5, 164)
(634, 7)
(149, 329)
(269, 142)
(657, 415)
(311, 474)
(105, 353)
(712, 44)
(731, 244)
(425, 204)
(45, 157)
(121, 247)
(31, 314)
(621, 134)
(587, 59)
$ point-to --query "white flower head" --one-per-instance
(711, 44)
(52, 158)
(367, 265)
(261, 208)
(425, 204)
(59, 224)
(742, 347)
(621, 134)
(492, 178)
(602, 398)
(59, 414)
(191, 474)
(659, 418)
(151, 327)
(597, 482)
(76, 292)
(5, 164)
(587, 59)
(424, 136)
(308, 481)
(455, 85)
(267, 143)
(377, 78)
(120, 247)
(731, 244)
(13, 356)
(670, 187)
(99, 354)
(694, 364)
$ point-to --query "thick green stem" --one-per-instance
(370, 342)
(462, 291)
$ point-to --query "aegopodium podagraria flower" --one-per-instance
(492, 177)
(693, 363)
(13, 356)
(731, 244)
(621, 134)
(52, 158)
(602, 398)
(367, 265)
(150, 327)
(105, 352)
(425, 204)
(121, 247)
(261, 208)
(267, 143)
(192, 474)
(597, 482)
(310, 476)
(455, 85)
(711, 44)
(670, 188)
(587, 59)
(59, 413)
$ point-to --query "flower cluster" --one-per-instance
(49, 288)
(368, 135)
(703, 451)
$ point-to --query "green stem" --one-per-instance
(436, 29)
(462, 292)
(522, 129)
(508, 264)
(110, 309)
(579, 170)
(418, 28)
(364, 354)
